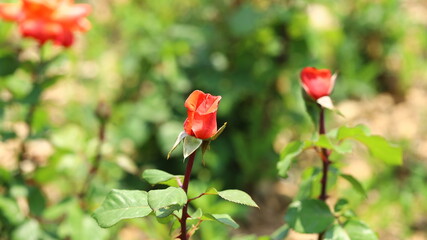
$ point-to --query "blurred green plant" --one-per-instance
(143, 57)
(309, 213)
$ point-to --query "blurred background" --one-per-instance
(143, 58)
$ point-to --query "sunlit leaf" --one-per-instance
(358, 230)
(237, 196)
(379, 147)
(155, 176)
(309, 216)
(288, 154)
(29, 230)
(122, 204)
(165, 201)
(9, 210)
(355, 183)
(281, 233)
(336, 232)
(340, 205)
(222, 218)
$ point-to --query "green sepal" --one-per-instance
(220, 130)
(179, 139)
(191, 144)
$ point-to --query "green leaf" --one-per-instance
(355, 183)
(323, 141)
(191, 144)
(165, 201)
(310, 184)
(8, 64)
(309, 216)
(122, 204)
(222, 218)
(281, 233)
(237, 196)
(155, 176)
(29, 230)
(288, 154)
(197, 214)
(340, 205)
(244, 20)
(10, 211)
(378, 146)
(336, 232)
(88, 229)
(358, 230)
(36, 201)
(179, 139)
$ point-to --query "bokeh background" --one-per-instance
(143, 58)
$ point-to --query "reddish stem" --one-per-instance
(325, 162)
(183, 221)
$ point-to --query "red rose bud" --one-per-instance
(201, 111)
(54, 20)
(317, 82)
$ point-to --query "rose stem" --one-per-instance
(37, 78)
(325, 161)
(94, 168)
(190, 162)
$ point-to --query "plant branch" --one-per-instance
(325, 163)
(37, 79)
(97, 161)
(183, 221)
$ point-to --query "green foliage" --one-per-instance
(30, 226)
(165, 201)
(378, 146)
(10, 211)
(122, 204)
(357, 230)
(281, 233)
(155, 176)
(288, 154)
(355, 183)
(309, 216)
(336, 232)
(237, 196)
(250, 53)
(222, 218)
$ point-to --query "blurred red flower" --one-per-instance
(44, 20)
(201, 110)
(317, 82)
